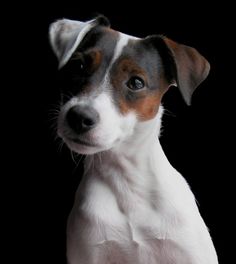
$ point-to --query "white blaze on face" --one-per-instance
(113, 127)
(122, 42)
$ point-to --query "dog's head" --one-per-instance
(115, 81)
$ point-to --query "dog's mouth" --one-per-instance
(83, 142)
(82, 145)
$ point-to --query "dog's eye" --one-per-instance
(74, 66)
(80, 65)
(136, 83)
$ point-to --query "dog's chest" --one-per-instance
(116, 220)
(124, 196)
(110, 236)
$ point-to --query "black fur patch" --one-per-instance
(72, 80)
(166, 55)
(103, 21)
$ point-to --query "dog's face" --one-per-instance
(112, 82)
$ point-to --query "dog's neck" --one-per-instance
(136, 149)
(133, 169)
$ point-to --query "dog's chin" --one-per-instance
(85, 148)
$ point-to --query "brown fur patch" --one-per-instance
(130, 68)
(145, 107)
(96, 57)
(145, 102)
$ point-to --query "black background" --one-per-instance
(194, 138)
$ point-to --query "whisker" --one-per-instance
(168, 113)
(73, 156)
(60, 145)
(79, 161)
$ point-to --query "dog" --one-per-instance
(131, 206)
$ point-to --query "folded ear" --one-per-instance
(192, 68)
(65, 35)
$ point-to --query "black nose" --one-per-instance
(82, 118)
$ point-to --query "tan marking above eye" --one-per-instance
(96, 58)
(130, 68)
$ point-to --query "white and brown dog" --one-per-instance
(132, 206)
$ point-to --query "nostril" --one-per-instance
(88, 122)
(82, 118)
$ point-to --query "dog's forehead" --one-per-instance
(109, 41)
(100, 37)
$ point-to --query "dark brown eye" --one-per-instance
(81, 66)
(78, 66)
(75, 67)
(135, 83)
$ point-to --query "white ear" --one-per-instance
(65, 36)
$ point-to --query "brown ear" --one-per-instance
(192, 68)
